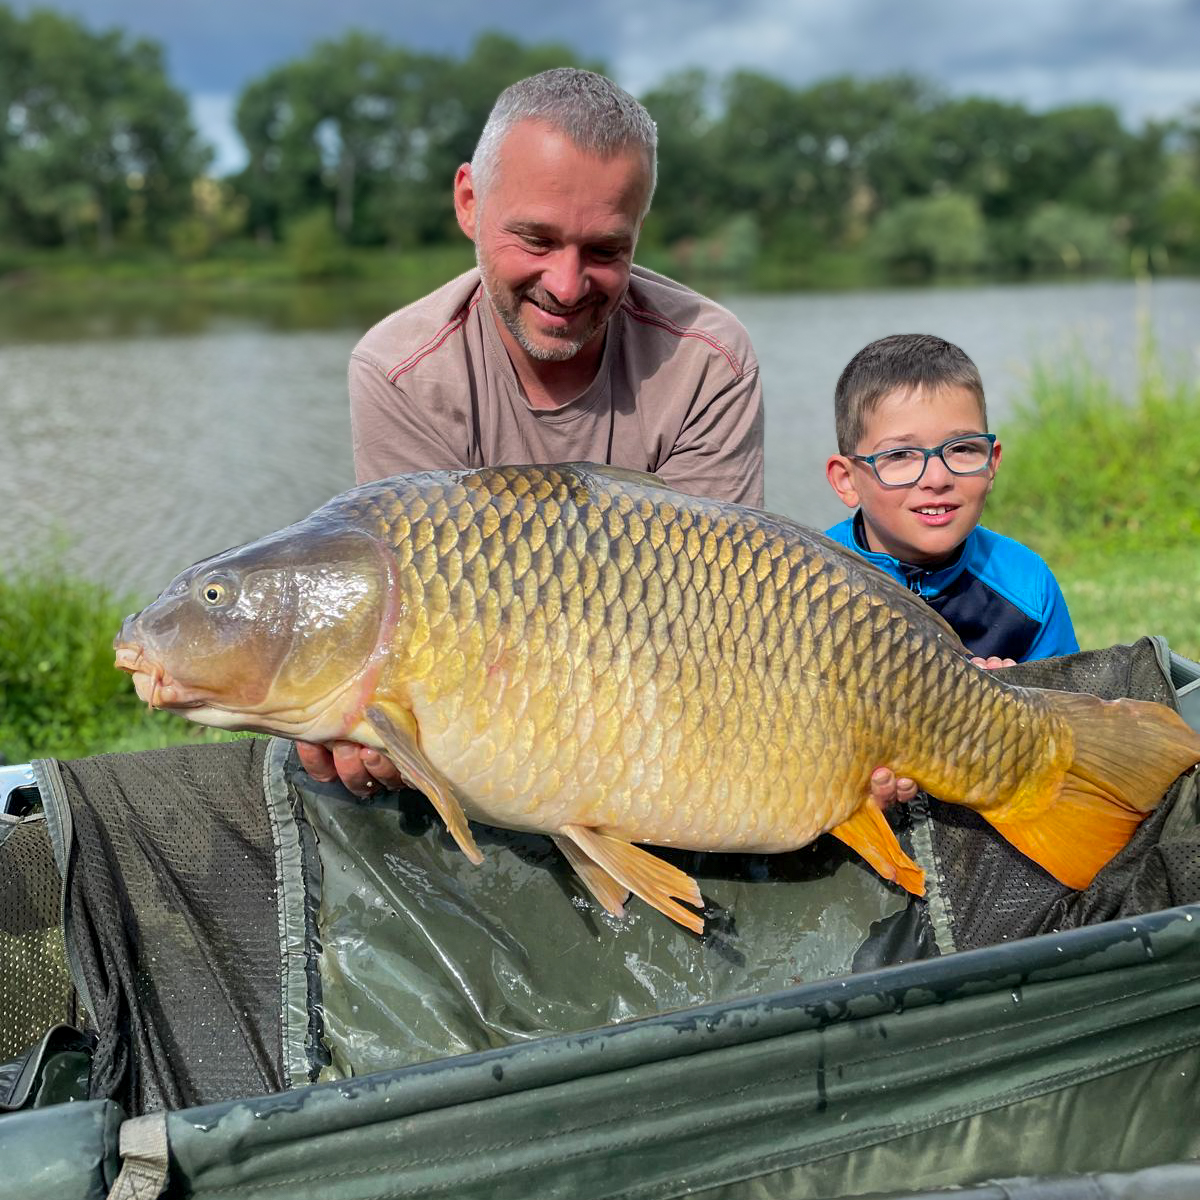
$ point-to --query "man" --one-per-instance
(556, 348)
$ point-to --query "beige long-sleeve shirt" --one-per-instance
(677, 393)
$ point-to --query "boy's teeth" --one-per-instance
(933, 512)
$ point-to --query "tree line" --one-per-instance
(357, 143)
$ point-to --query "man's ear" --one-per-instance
(837, 471)
(466, 203)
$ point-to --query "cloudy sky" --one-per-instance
(1143, 56)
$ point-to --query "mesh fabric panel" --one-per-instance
(172, 911)
(35, 987)
(994, 893)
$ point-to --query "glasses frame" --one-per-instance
(931, 452)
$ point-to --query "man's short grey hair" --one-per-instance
(595, 114)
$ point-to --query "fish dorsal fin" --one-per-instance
(642, 873)
(397, 729)
(617, 474)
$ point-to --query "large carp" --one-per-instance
(582, 652)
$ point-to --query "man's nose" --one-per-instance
(564, 277)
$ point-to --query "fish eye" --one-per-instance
(214, 592)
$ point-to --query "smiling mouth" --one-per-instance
(936, 510)
(564, 314)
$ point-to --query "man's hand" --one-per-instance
(886, 789)
(361, 769)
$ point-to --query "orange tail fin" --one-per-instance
(1127, 754)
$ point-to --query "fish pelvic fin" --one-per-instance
(867, 832)
(654, 880)
(397, 730)
(608, 893)
(1127, 754)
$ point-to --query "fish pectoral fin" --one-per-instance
(397, 730)
(1076, 836)
(868, 833)
(642, 873)
(610, 895)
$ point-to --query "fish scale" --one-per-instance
(583, 652)
(732, 692)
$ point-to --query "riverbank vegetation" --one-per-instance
(60, 695)
(1102, 485)
(351, 148)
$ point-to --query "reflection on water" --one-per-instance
(148, 450)
(150, 453)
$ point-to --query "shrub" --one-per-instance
(1086, 470)
(60, 695)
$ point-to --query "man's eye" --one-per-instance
(605, 253)
(536, 243)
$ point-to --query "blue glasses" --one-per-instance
(903, 466)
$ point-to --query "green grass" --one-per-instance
(1118, 598)
(1107, 489)
(1086, 470)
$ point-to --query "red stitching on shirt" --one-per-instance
(648, 317)
(434, 342)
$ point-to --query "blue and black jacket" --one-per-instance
(999, 597)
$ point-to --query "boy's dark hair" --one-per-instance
(901, 362)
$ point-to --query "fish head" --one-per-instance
(285, 635)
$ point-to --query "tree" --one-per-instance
(374, 132)
(932, 234)
(687, 198)
(95, 141)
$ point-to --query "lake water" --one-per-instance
(136, 452)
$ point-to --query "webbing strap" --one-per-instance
(143, 1146)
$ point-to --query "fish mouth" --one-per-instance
(151, 680)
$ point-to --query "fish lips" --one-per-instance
(153, 684)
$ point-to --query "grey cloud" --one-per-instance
(1136, 53)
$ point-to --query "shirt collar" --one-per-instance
(925, 581)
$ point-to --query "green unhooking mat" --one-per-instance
(236, 931)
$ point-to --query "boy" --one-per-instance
(916, 461)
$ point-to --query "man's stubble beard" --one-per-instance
(508, 307)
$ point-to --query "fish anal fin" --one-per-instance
(867, 832)
(610, 895)
(397, 729)
(647, 876)
(1076, 836)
